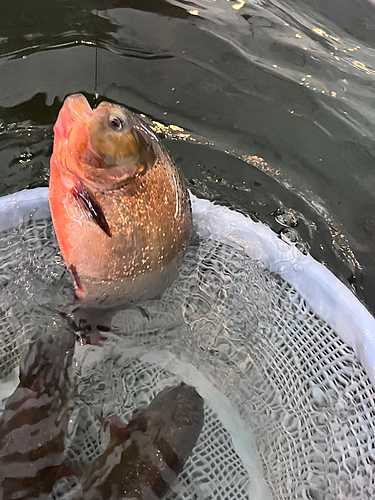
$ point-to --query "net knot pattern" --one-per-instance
(298, 387)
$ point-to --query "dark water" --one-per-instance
(290, 82)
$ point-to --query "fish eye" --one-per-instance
(116, 123)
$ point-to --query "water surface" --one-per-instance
(288, 82)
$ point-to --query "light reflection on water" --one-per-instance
(284, 88)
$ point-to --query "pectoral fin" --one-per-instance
(90, 205)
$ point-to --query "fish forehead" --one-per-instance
(80, 108)
(105, 109)
(111, 107)
(76, 110)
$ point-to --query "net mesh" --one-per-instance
(323, 443)
(214, 470)
(295, 384)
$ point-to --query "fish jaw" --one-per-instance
(73, 115)
(70, 130)
(74, 112)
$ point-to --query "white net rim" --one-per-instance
(326, 296)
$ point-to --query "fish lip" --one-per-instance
(75, 100)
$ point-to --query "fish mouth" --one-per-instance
(108, 146)
(75, 107)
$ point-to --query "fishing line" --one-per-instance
(96, 94)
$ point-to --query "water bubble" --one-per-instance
(369, 225)
(290, 236)
(286, 217)
(303, 247)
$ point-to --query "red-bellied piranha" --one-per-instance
(121, 213)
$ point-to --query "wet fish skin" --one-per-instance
(120, 210)
(144, 458)
(141, 461)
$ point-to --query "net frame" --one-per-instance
(325, 294)
(304, 282)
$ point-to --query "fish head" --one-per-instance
(106, 147)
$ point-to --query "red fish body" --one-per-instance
(121, 213)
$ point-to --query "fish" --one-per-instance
(144, 457)
(120, 209)
(34, 421)
(141, 459)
